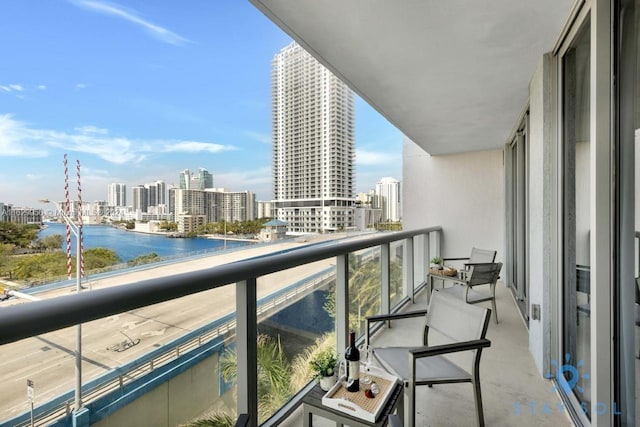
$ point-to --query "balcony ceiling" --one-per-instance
(452, 75)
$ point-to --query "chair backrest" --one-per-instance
(455, 319)
(481, 255)
(482, 274)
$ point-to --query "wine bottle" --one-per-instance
(352, 355)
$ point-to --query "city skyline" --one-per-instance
(134, 92)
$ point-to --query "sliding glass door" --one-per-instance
(576, 195)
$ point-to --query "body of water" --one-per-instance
(128, 245)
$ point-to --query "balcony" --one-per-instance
(513, 390)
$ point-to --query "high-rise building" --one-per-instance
(389, 191)
(117, 194)
(192, 181)
(140, 198)
(313, 144)
(156, 194)
(231, 205)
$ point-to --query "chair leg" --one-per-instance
(493, 301)
(411, 389)
(478, 398)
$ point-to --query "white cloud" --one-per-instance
(17, 139)
(80, 86)
(14, 87)
(374, 158)
(34, 177)
(14, 140)
(91, 129)
(260, 137)
(112, 9)
(42, 87)
(195, 147)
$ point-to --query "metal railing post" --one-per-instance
(407, 268)
(247, 349)
(342, 302)
(385, 279)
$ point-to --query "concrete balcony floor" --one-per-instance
(513, 391)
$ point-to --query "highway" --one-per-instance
(49, 361)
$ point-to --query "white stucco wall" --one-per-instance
(464, 193)
(536, 214)
(541, 210)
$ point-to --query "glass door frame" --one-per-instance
(517, 220)
(602, 224)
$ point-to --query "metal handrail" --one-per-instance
(39, 317)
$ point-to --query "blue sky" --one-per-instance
(140, 90)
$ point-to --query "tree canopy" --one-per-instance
(20, 235)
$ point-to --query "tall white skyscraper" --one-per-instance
(313, 144)
(389, 191)
(117, 194)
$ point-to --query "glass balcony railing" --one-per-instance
(232, 322)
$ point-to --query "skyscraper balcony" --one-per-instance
(396, 264)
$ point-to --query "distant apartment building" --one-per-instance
(370, 199)
(212, 205)
(117, 195)
(367, 217)
(5, 212)
(26, 215)
(264, 209)
(200, 180)
(313, 144)
(73, 209)
(231, 205)
(140, 195)
(368, 211)
(389, 190)
(156, 197)
(190, 209)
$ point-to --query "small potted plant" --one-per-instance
(436, 261)
(323, 364)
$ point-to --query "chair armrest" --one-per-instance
(478, 263)
(454, 259)
(383, 317)
(449, 348)
(394, 316)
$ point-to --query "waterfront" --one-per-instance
(128, 245)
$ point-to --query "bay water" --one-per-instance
(129, 244)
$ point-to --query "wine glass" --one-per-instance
(365, 360)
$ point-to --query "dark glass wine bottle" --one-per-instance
(352, 355)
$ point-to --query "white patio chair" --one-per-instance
(465, 326)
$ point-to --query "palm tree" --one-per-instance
(274, 382)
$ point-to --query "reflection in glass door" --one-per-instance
(576, 306)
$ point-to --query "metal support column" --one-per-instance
(385, 279)
(342, 302)
(246, 345)
(408, 269)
